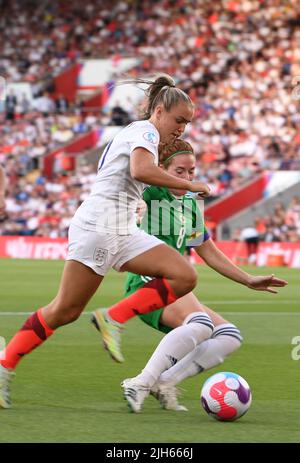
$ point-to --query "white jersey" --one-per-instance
(112, 203)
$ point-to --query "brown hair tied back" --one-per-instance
(163, 91)
(167, 151)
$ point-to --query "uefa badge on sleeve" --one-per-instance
(151, 137)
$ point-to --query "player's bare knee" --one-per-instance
(63, 315)
(190, 279)
(187, 281)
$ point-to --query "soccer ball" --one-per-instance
(226, 396)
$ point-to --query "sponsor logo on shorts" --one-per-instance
(100, 256)
(151, 137)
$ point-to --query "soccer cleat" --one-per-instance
(135, 393)
(167, 395)
(111, 334)
(6, 376)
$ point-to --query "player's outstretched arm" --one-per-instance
(217, 260)
(143, 169)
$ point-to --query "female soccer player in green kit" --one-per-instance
(174, 217)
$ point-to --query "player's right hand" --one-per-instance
(202, 189)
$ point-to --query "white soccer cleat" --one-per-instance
(135, 393)
(6, 375)
(167, 395)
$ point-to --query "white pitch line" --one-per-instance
(253, 302)
(15, 313)
(254, 314)
(8, 314)
(263, 302)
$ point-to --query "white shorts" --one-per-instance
(101, 252)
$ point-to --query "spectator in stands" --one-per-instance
(44, 104)
(282, 225)
(61, 104)
(119, 116)
(24, 105)
(10, 105)
(271, 234)
(80, 125)
(279, 215)
(292, 218)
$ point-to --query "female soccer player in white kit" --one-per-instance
(103, 234)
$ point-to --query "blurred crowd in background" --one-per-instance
(238, 60)
(283, 225)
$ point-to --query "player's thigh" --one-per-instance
(160, 261)
(78, 284)
(174, 314)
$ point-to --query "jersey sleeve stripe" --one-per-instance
(104, 154)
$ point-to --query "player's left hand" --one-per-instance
(265, 283)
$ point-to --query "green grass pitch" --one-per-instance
(68, 390)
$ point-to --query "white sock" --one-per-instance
(175, 345)
(225, 339)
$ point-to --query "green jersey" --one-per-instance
(176, 221)
(173, 220)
